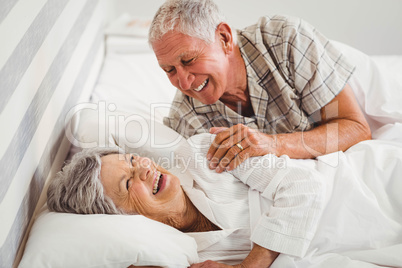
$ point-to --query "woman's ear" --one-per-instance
(224, 33)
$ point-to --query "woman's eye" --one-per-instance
(128, 184)
(131, 159)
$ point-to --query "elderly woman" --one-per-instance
(277, 87)
(267, 201)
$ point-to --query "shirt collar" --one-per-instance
(196, 196)
(257, 70)
(202, 108)
(206, 239)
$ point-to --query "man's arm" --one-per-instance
(342, 125)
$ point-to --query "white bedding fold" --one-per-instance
(362, 223)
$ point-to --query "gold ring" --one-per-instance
(240, 147)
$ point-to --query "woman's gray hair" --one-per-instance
(78, 189)
(195, 18)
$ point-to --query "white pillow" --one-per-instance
(135, 84)
(127, 25)
(377, 91)
(131, 132)
(71, 240)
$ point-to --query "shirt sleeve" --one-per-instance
(297, 194)
(317, 70)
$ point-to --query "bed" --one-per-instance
(127, 105)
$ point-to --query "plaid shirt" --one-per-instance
(292, 72)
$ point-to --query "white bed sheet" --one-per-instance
(362, 224)
(135, 84)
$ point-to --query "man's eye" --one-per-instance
(127, 185)
(131, 159)
(168, 70)
(186, 62)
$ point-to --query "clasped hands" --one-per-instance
(233, 145)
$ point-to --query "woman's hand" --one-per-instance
(257, 258)
(233, 145)
(213, 264)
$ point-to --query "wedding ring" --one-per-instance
(240, 147)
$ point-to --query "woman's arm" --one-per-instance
(257, 258)
(298, 198)
(132, 266)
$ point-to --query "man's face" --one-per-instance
(197, 69)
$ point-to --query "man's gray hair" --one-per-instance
(195, 18)
(78, 189)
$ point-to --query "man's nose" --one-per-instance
(184, 78)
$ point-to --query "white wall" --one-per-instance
(373, 26)
(50, 56)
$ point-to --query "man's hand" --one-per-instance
(234, 145)
(342, 125)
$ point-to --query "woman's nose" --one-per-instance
(185, 79)
(144, 167)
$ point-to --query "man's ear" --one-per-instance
(225, 36)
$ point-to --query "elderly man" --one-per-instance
(277, 87)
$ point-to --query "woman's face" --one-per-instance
(197, 69)
(137, 185)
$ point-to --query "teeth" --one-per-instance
(201, 86)
(158, 175)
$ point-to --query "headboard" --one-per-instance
(50, 56)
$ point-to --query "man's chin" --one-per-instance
(208, 102)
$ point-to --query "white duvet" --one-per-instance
(362, 223)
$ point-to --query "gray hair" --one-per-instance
(78, 189)
(195, 18)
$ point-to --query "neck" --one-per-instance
(236, 96)
(195, 221)
(239, 103)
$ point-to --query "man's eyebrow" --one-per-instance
(164, 65)
(191, 53)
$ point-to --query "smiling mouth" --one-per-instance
(201, 87)
(157, 183)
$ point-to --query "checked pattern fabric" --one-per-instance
(292, 72)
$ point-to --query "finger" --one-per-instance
(226, 151)
(217, 130)
(240, 158)
(231, 155)
(219, 141)
(222, 145)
